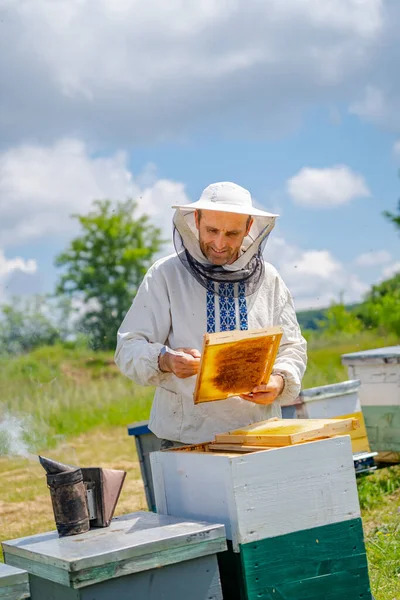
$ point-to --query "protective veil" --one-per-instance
(248, 269)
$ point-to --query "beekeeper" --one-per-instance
(216, 281)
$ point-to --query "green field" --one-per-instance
(74, 404)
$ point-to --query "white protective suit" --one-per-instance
(170, 308)
(174, 308)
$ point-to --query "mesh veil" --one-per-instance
(248, 269)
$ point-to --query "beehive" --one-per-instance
(379, 373)
(140, 555)
(291, 513)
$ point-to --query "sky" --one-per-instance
(296, 100)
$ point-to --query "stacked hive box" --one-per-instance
(379, 373)
(292, 515)
(14, 584)
(140, 555)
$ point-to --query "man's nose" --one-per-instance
(219, 241)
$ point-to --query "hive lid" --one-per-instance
(132, 543)
(390, 354)
(333, 390)
(14, 583)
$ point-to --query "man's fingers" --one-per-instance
(264, 398)
(191, 351)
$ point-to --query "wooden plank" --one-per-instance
(234, 362)
(360, 431)
(217, 447)
(284, 433)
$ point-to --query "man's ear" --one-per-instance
(249, 224)
(197, 218)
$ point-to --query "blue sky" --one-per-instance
(296, 101)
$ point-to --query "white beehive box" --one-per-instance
(379, 373)
(260, 494)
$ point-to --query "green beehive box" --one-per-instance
(140, 555)
(14, 583)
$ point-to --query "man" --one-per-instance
(216, 281)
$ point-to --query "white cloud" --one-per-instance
(314, 277)
(7, 266)
(40, 186)
(326, 188)
(10, 267)
(372, 259)
(121, 69)
(391, 270)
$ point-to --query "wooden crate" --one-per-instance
(292, 514)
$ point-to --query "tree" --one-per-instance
(26, 324)
(105, 265)
(381, 308)
(395, 219)
(337, 319)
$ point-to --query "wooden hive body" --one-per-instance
(14, 583)
(379, 373)
(140, 555)
(292, 514)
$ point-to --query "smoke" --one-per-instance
(16, 436)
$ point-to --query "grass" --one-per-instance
(379, 495)
(53, 393)
(25, 507)
(324, 355)
(75, 405)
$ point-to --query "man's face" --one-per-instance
(221, 235)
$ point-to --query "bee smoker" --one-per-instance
(82, 497)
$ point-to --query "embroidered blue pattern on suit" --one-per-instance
(227, 308)
(243, 307)
(210, 307)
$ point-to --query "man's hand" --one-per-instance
(182, 366)
(266, 393)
